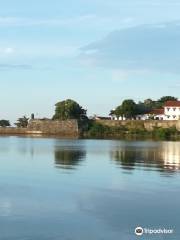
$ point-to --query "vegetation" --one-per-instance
(4, 123)
(129, 108)
(99, 130)
(22, 122)
(165, 133)
(69, 109)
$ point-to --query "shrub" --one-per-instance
(165, 133)
(97, 129)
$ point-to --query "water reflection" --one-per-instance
(125, 158)
(68, 158)
(163, 157)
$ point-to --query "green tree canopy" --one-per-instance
(22, 122)
(159, 103)
(5, 123)
(128, 109)
(142, 108)
(118, 111)
(69, 109)
(167, 98)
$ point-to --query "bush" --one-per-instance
(137, 131)
(98, 130)
(165, 133)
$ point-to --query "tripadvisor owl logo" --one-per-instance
(139, 231)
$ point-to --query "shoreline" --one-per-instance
(98, 129)
(129, 137)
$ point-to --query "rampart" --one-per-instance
(67, 128)
(149, 125)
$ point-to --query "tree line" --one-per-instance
(70, 109)
(129, 108)
(21, 122)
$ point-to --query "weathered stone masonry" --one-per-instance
(71, 128)
(63, 128)
(149, 125)
(67, 128)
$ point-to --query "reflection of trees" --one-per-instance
(171, 155)
(68, 158)
(164, 157)
(124, 158)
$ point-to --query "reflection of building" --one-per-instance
(171, 154)
(163, 156)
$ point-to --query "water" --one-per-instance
(52, 189)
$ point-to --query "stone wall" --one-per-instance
(12, 131)
(67, 128)
(149, 125)
(61, 128)
(71, 128)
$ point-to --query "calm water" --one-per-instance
(87, 189)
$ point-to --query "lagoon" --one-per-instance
(65, 189)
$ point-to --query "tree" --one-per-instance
(151, 104)
(69, 109)
(167, 98)
(142, 108)
(5, 123)
(148, 102)
(119, 112)
(22, 122)
(128, 108)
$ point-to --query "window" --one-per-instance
(174, 109)
(168, 109)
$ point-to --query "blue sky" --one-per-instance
(97, 52)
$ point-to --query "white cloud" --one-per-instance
(119, 75)
(89, 20)
(6, 50)
(154, 47)
(7, 66)
(18, 22)
(9, 50)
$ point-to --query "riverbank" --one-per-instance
(99, 129)
(45, 127)
(132, 130)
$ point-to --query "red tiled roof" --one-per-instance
(172, 104)
(157, 111)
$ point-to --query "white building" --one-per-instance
(114, 117)
(157, 114)
(170, 111)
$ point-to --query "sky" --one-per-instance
(97, 52)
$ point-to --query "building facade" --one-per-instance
(170, 111)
